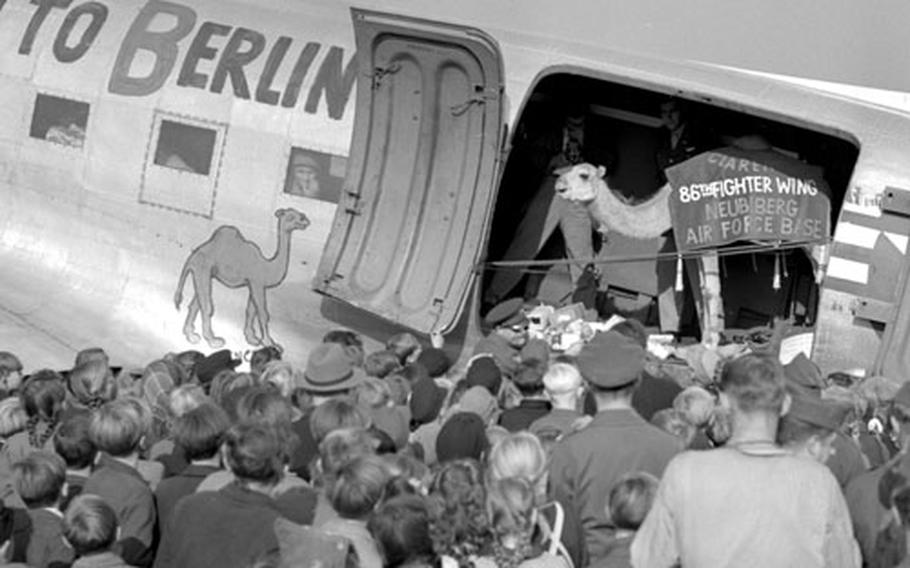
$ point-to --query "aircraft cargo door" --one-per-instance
(419, 189)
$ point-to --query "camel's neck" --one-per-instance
(277, 267)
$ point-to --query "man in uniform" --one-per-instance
(507, 340)
(585, 465)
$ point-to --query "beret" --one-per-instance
(803, 376)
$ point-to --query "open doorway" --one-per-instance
(624, 131)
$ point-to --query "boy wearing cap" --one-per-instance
(585, 465)
(751, 502)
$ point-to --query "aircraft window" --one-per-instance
(315, 174)
(59, 120)
(185, 147)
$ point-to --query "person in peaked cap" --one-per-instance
(803, 376)
(508, 334)
(208, 367)
(810, 426)
(585, 465)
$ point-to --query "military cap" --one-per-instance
(825, 414)
(506, 313)
(803, 376)
(611, 360)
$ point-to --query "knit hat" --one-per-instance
(462, 436)
(611, 360)
(435, 361)
(426, 400)
(479, 401)
(483, 372)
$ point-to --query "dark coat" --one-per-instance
(229, 528)
(172, 489)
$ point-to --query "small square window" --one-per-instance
(59, 120)
(315, 174)
(185, 147)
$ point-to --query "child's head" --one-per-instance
(281, 375)
(373, 393)
(510, 508)
(340, 447)
(404, 346)
(334, 414)
(91, 354)
(518, 455)
(400, 527)
(262, 357)
(673, 422)
(630, 500)
(200, 431)
(92, 383)
(380, 364)
(696, 405)
(118, 428)
(73, 442)
(185, 398)
(563, 384)
(89, 525)
(529, 378)
(13, 418)
(254, 453)
(358, 487)
(43, 395)
(10, 371)
(39, 479)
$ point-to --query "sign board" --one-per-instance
(733, 194)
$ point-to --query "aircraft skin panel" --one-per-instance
(87, 261)
(409, 241)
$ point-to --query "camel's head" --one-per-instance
(291, 220)
(579, 182)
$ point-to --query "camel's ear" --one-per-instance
(601, 171)
(279, 212)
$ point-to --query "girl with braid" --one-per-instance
(42, 396)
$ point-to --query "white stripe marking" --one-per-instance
(848, 270)
(856, 235)
(900, 241)
(869, 210)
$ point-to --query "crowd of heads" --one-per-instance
(421, 455)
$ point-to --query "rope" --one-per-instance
(673, 255)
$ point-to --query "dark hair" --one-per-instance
(402, 345)
(39, 478)
(343, 337)
(529, 378)
(200, 431)
(42, 398)
(400, 527)
(261, 357)
(254, 453)
(755, 382)
(89, 525)
(73, 442)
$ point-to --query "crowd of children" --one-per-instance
(523, 458)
